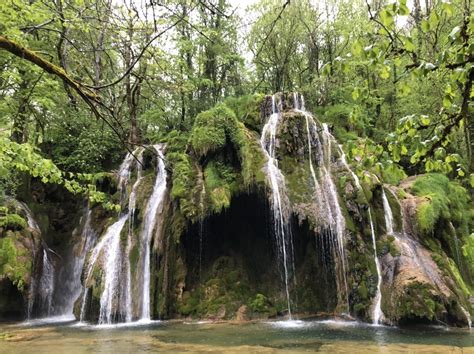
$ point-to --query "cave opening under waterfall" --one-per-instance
(235, 251)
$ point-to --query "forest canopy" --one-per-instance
(83, 81)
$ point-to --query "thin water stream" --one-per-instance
(279, 198)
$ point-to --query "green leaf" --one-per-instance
(433, 20)
(357, 48)
(385, 72)
(386, 17)
(408, 43)
(356, 93)
(425, 26)
(447, 8)
(403, 10)
(447, 102)
(424, 120)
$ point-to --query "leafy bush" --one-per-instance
(13, 222)
(259, 303)
(85, 146)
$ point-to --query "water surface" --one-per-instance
(64, 335)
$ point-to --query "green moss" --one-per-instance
(213, 130)
(360, 309)
(457, 277)
(362, 290)
(387, 245)
(251, 157)
(298, 180)
(443, 199)
(221, 183)
(134, 255)
(247, 109)
(224, 287)
(209, 129)
(468, 252)
(13, 222)
(15, 261)
(418, 301)
(185, 184)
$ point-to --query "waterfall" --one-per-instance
(114, 259)
(69, 287)
(377, 313)
(46, 282)
(32, 225)
(388, 213)
(110, 244)
(468, 316)
(132, 201)
(116, 296)
(329, 212)
(377, 310)
(279, 200)
(41, 291)
(155, 201)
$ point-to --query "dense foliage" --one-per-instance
(82, 81)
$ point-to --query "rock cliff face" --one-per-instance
(422, 281)
(213, 251)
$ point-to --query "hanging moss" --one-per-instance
(213, 130)
(15, 261)
(250, 154)
(221, 183)
(443, 199)
(185, 184)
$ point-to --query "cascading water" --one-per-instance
(388, 213)
(115, 300)
(46, 282)
(69, 279)
(377, 313)
(468, 317)
(279, 198)
(132, 201)
(377, 310)
(155, 201)
(110, 245)
(329, 214)
(41, 291)
(33, 226)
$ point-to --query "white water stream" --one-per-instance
(279, 198)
